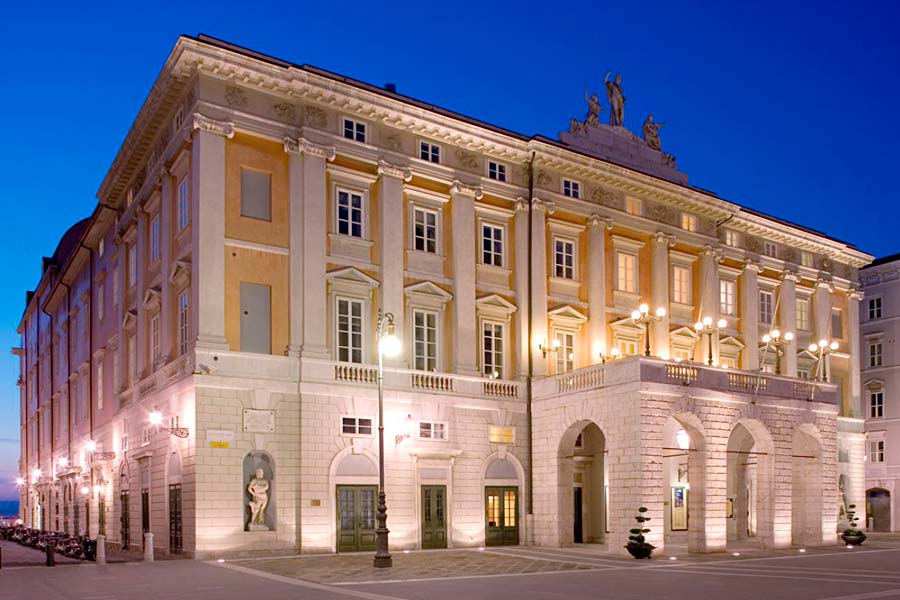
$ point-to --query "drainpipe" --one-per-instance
(529, 487)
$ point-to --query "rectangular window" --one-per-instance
(876, 451)
(633, 206)
(100, 386)
(101, 301)
(350, 213)
(356, 426)
(837, 324)
(626, 272)
(354, 130)
(502, 435)
(183, 322)
(492, 245)
(876, 405)
(688, 222)
(425, 340)
(766, 306)
(875, 354)
(803, 314)
(732, 238)
(429, 430)
(425, 230)
(564, 258)
(132, 265)
(627, 347)
(874, 308)
(571, 189)
(349, 330)
(492, 349)
(154, 339)
(565, 352)
(496, 171)
(681, 285)
(806, 259)
(770, 249)
(430, 152)
(184, 205)
(132, 360)
(726, 297)
(256, 195)
(154, 238)
(101, 247)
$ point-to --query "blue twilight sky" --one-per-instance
(787, 107)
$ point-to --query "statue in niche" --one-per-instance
(593, 117)
(616, 100)
(258, 489)
(651, 132)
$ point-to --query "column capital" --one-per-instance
(663, 238)
(304, 146)
(824, 284)
(458, 187)
(522, 205)
(387, 169)
(711, 251)
(598, 221)
(855, 294)
(752, 265)
(204, 123)
(790, 276)
(547, 206)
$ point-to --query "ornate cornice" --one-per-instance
(458, 187)
(304, 146)
(204, 123)
(397, 171)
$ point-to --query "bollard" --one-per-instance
(51, 558)
(148, 547)
(101, 550)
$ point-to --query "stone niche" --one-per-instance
(258, 459)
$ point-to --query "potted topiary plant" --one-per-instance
(853, 536)
(637, 546)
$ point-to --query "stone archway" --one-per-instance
(684, 484)
(583, 485)
(750, 484)
(807, 493)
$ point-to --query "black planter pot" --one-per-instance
(853, 539)
(642, 551)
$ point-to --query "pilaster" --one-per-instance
(539, 331)
(464, 324)
(390, 199)
(856, 408)
(787, 321)
(659, 291)
(521, 276)
(822, 315)
(750, 316)
(166, 227)
(596, 280)
(709, 294)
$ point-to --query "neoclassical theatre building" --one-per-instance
(198, 358)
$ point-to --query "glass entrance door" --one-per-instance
(356, 517)
(434, 520)
(501, 507)
(175, 519)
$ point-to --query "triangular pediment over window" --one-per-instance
(129, 322)
(351, 280)
(495, 305)
(567, 316)
(427, 294)
(181, 274)
(151, 300)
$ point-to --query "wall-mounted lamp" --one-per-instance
(613, 355)
(544, 348)
(406, 432)
(156, 418)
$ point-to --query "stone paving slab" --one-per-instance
(16, 555)
(357, 568)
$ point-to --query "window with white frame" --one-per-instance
(726, 297)
(425, 336)
(875, 308)
(876, 451)
(132, 265)
(429, 152)
(183, 322)
(876, 404)
(875, 353)
(732, 238)
(425, 230)
(837, 324)
(492, 245)
(633, 206)
(350, 213)
(680, 354)
(432, 430)
(806, 259)
(728, 362)
(502, 435)
(496, 171)
(565, 351)
(766, 307)
(803, 314)
(154, 339)
(145, 436)
(770, 249)
(184, 207)
(803, 373)
(349, 330)
(571, 188)
(688, 222)
(354, 130)
(492, 349)
(154, 238)
(101, 301)
(99, 385)
(626, 276)
(356, 426)
(681, 284)
(627, 347)
(564, 258)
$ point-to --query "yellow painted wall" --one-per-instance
(266, 268)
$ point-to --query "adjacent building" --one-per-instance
(198, 358)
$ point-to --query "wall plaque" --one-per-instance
(219, 438)
(259, 421)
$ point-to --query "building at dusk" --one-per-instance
(198, 359)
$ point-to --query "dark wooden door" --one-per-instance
(125, 521)
(501, 518)
(434, 516)
(175, 536)
(356, 517)
(145, 513)
(579, 530)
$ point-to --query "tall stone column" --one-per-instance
(787, 321)
(390, 197)
(465, 326)
(166, 227)
(750, 316)
(659, 291)
(709, 296)
(596, 286)
(539, 331)
(295, 260)
(822, 316)
(523, 346)
(140, 333)
(856, 408)
(207, 306)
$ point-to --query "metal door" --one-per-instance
(256, 319)
(175, 536)
(356, 517)
(434, 516)
(125, 521)
(579, 529)
(502, 513)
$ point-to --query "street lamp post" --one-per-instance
(389, 345)
(823, 349)
(705, 327)
(643, 317)
(778, 341)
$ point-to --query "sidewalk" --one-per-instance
(15, 555)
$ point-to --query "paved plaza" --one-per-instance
(835, 573)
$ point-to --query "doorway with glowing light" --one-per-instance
(583, 485)
(683, 465)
